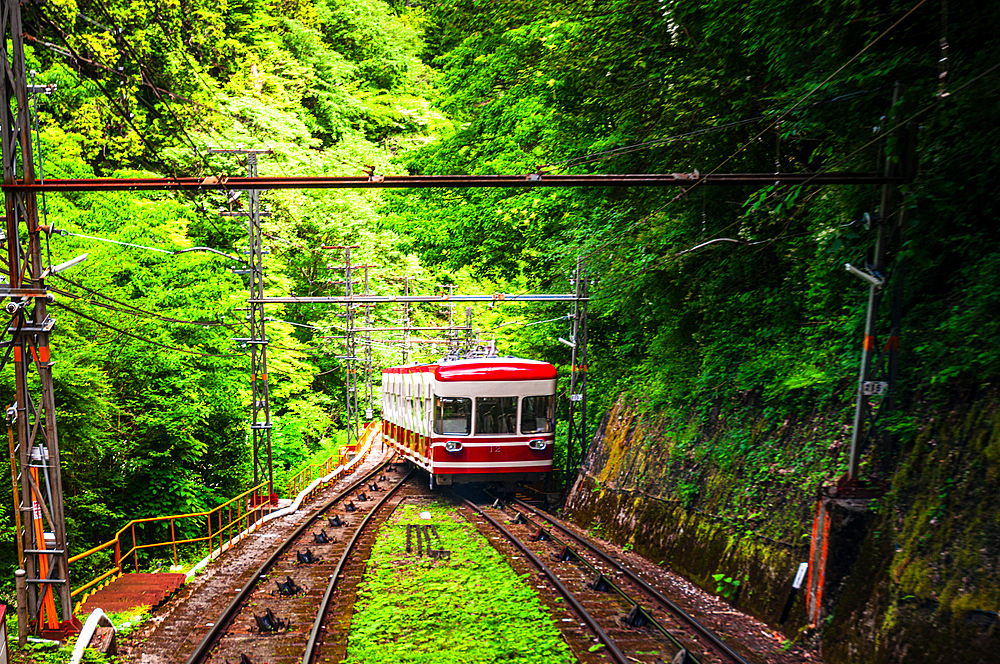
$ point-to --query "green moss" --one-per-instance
(470, 608)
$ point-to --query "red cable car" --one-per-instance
(472, 420)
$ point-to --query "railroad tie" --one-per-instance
(409, 548)
(600, 584)
(419, 544)
(564, 556)
(440, 553)
(637, 617)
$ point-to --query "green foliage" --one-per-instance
(726, 586)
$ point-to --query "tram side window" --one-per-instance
(452, 415)
(538, 414)
(496, 415)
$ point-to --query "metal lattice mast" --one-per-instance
(352, 347)
(258, 343)
(39, 479)
(369, 396)
(350, 340)
(576, 436)
(260, 425)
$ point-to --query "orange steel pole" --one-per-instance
(17, 505)
(48, 601)
(135, 549)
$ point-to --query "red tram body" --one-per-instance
(472, 420)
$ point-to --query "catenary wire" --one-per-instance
(804, 97)
(636, 147)
(144, 339)
(139, 311)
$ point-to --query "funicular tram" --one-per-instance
(486, 419)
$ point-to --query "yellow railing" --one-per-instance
(225, 523)
(306, 476)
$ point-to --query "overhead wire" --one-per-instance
(139, 311)
(117, 105)
(620, 237)
(806, 96)
(703, 131)
(142, 338)
(63, 231)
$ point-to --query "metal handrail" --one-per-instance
(243, 515)
(300, 481)
(222, 528)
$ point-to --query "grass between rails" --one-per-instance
(470, 609)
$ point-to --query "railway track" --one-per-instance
(601, 562)
(298, 606)
(629, 619)
(286, 611)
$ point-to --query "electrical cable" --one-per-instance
(123, 112)
(636, 147)
(139, 311)
(596, 251)
(63, 231)
(934, 104)
(801, 100)
(145, 76)
(144, 339)
(532, 323)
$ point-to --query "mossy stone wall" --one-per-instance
(919, 581)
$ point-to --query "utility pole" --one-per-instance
(350, 354)
(369, 395)
(260, 425)
(879, 368)
(875, 396)
(38, 493)
(576, 436)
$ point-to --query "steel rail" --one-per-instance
(624, 595)
(703, 631)
(226, 183)
(201, 652)
(310, 653)
(612, 648)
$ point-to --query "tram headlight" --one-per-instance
(453, 446)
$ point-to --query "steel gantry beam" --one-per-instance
(442, 299)
(531, 180)
(43, 577)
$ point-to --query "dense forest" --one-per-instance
(763, 324)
